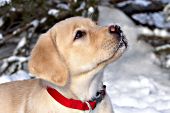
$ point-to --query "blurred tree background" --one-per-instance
(22, 21)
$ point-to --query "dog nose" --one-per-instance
(115, 29)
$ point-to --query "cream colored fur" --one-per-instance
(73, 67)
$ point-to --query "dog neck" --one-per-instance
(84, 87)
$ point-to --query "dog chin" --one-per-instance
(116, 55)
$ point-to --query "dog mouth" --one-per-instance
(121, 46)
(116, 31)
(123, 41)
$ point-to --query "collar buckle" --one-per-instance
(100, 95)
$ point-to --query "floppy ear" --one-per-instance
(46, 62)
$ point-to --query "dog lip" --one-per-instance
(121, 45)
(120, 35)
(123, 41)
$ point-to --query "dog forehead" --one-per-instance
(71, 24)
(79, 20)
(75, 22)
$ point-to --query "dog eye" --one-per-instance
(79, 34)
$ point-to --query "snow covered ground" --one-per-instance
(128, 95)
(160, 19)
(139, 95)
(134, 83)
(20, 75)
(4, 2)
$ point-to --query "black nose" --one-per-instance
(114, 29)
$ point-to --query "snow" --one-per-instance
(18, 59)
(13, 9)
(137, 2)
(142, 2)
(91, 10)
(1, 21)
(43, 20)
(53, 12)
(75, 1)
(155, 59)
(138, 95)
(82, 6)
(134, 83)
(157, 19)
(163, 47)
(167, 61)
(20, 75)
(4, 79)
(166, 11)
(161, 33)
(165, 1)
(4, 2)
(4, 66)
(1, 36)
(35, 23)
(63, 6)
(16, 31)
(130, 95)
(156, 32)
(21, 43)
(146, 31)
(142, 18)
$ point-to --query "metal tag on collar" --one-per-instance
(100, 95)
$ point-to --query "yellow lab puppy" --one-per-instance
(68, 60)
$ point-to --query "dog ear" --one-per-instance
(46, 62)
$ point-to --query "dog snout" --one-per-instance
(116, 30)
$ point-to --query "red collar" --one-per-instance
(76, 104)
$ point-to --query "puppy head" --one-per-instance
(73, 47)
